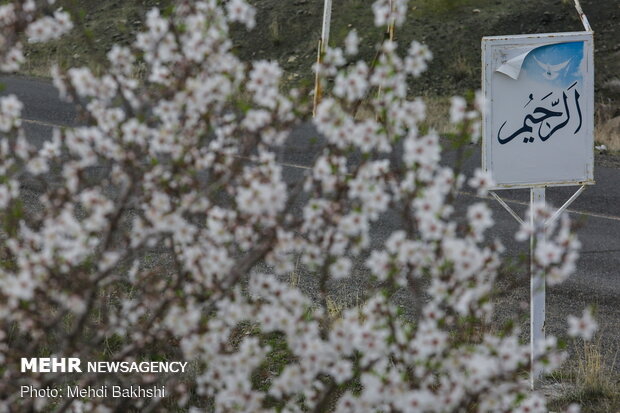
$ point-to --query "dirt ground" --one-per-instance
(288, 30)
(452, 28)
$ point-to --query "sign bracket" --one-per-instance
(537, 297)
(507, 208)
(570, 200)
(583, 17)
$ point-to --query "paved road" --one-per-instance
(597, 279)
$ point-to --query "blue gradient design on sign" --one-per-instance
(552, 57)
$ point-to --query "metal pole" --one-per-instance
(537, 297)
(392, 22)
(537, 281)
(390, 34)
(327, 18)
(323, 43)
(317, 82)
(507, 208)
(583, 17)
(557, 213)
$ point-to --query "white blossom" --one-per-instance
(352, 43)
(482, 181)
(584, 326)
(170, 223)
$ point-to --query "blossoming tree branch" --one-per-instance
(179, 166)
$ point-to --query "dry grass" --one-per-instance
(592, 371)
(461, 69)
(337, 305)
(295, 276)
(438, 114)
(334, 308)
(589, 380)
(607, 125)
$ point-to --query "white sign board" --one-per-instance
(538, 126)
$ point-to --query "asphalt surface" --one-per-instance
(596, 281)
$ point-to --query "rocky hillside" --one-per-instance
(288, 30)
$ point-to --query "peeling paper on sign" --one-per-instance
(513, 60)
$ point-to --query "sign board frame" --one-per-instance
(500, 51)
(508, 55)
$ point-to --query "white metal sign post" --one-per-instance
(538, 130)
(537, 297)
(323, 43)
(327, 17)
